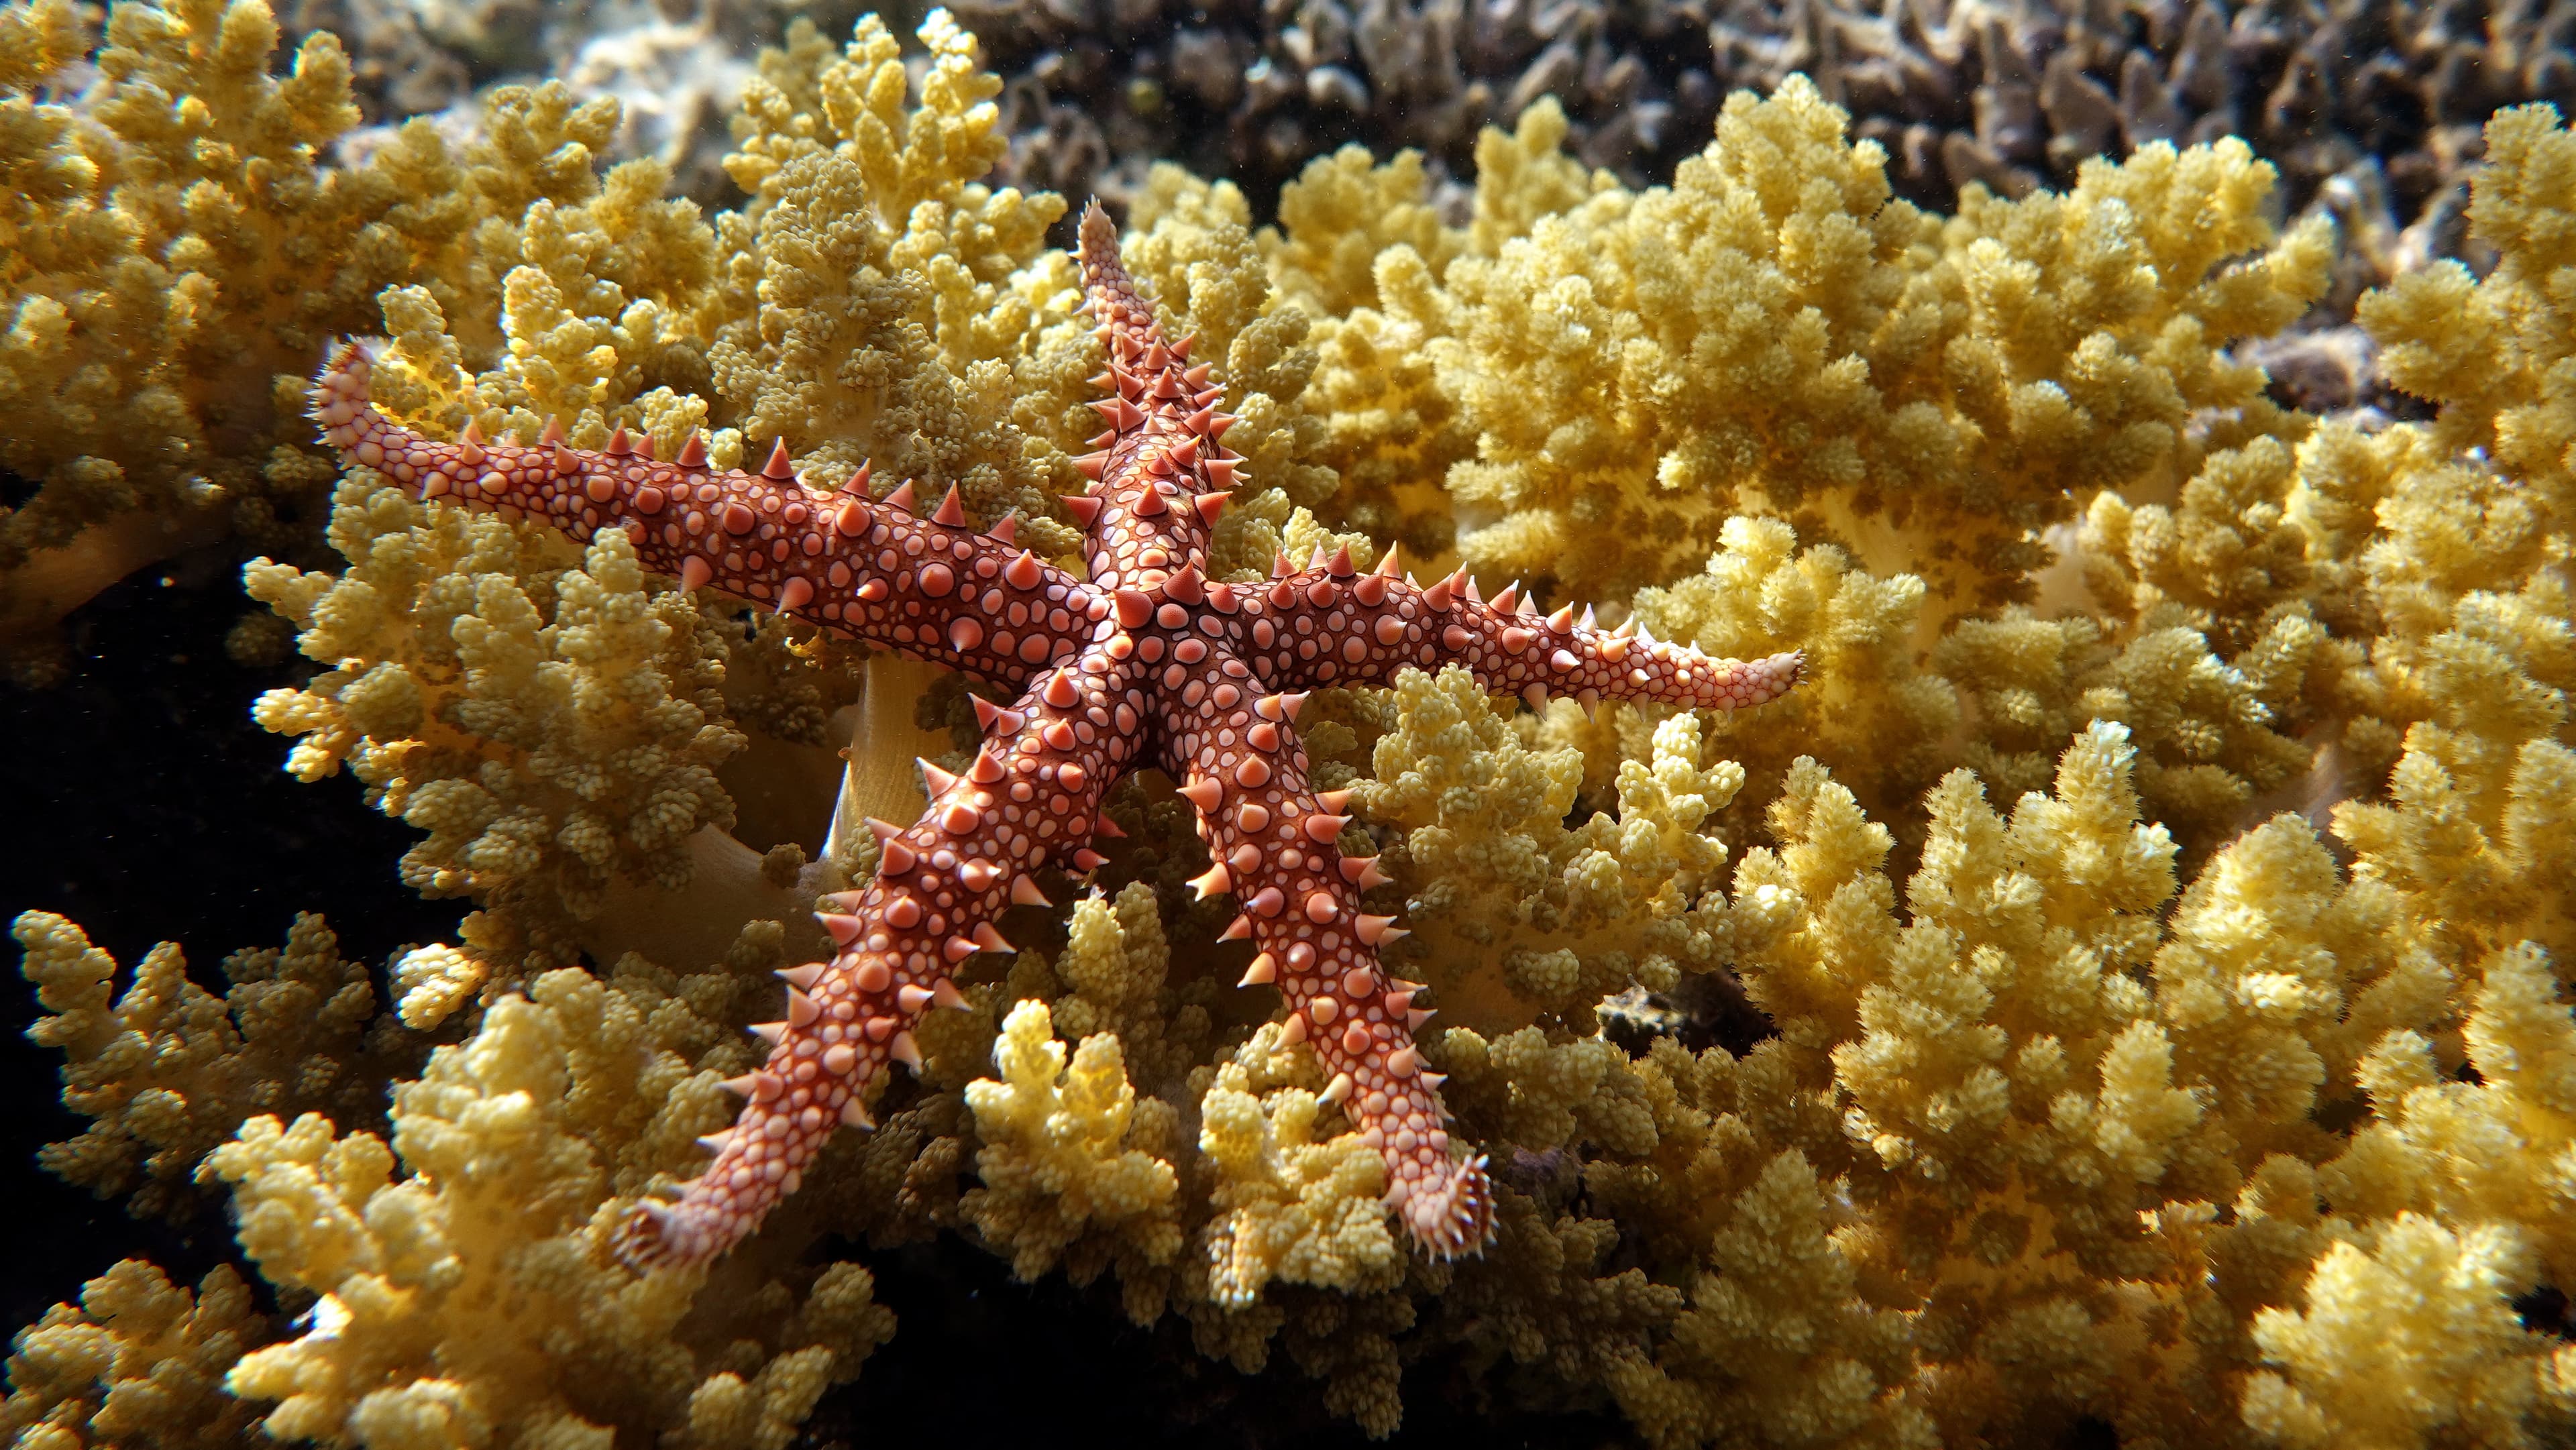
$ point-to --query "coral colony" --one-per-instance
(2125, 983)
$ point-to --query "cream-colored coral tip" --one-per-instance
(1060, 1161)
(431, 982)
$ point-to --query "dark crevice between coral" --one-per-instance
(1703, 1010)
(2546, 1310)
(1716, 1012)
(16, 491)
(960, 1318)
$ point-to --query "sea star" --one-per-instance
(1146, 662)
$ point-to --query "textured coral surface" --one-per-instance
(2124, 988)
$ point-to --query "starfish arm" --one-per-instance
(1032, 796)
(1160, 475)
(1271, 840)
(1330, 626)
(865, 568)
(1117, 305)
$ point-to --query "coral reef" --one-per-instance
(509, 1143)
(1064, 1149)
(2371, 109)
(2126, 985)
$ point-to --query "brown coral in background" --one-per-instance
(2011, 94)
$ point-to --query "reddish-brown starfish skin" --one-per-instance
(1148, 659)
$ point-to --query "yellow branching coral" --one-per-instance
(1958, 1052)
(863, 306)
(177, 220)
(512, 1142)
(549, 746)
(2224, 554)
(1519, 911)
(1115, 961)
(2208, 746)
(1758, 592)
(1294, 1206)
(2479, 803)
(2468, 1152)
(2422, 1308)
(1209, 281)
(2279, 976)
(1069, 1163)
(884, 325)
(601, 303)
(2490, 351)
(2013, 1104)
(2040, 1116)
(2465, 578)
(1389, 431)
(2279, 998)
(1363, 251)
(1772, 331)
(2458, 1200)
(141, 1361)
(165, 1069)
(1524, 1088)
(1342, 213)
(1776, 1335)
(179, 252)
